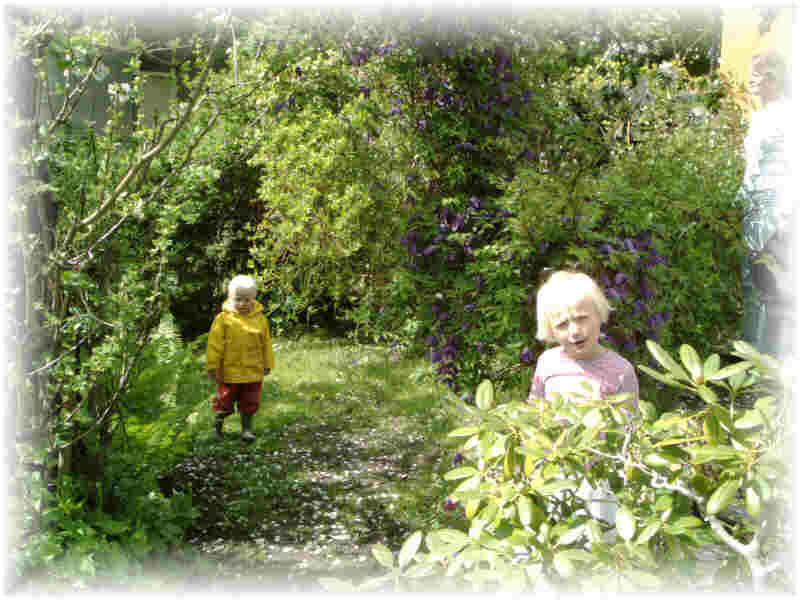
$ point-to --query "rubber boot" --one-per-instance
(247, 434)
(218, 422)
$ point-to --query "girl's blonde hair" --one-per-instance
(562, 290)
(241, 282)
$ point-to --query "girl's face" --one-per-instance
(243, 300)
(577, 329)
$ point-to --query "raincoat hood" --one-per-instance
(239, 345)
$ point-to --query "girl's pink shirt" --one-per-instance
(607, 373)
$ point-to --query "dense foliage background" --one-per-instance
(405, 180)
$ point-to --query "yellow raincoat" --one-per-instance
(240, 345)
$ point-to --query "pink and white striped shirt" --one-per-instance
(608, 374)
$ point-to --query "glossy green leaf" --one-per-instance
(553, 487)
(751, 418)
(525, 510)
(691, 360)
(730, 371)
(707, 394)
(704, 454)
(383, 555)
(484, 395)
(649, 531)
(464, 432)
(453, 537)
(626, 523)
(663, 378)
(752, 501)
(711, 366)
(712, 430)
(409, 549)
(682, 525)
(666, 361)
(461, 473)
(723, 496)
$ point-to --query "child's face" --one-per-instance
(577, 329)
(243, 300)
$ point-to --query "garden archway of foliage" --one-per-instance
(417, 174)
(424, 179)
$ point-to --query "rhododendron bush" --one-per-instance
(701, 495)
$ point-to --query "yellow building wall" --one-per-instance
(741, 41)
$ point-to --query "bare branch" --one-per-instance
(144, 161)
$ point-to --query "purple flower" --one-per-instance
(469, 308)
(478, 282)
(449, 505)
(430, 340)
(613, 292)
(629, 245)
(410, 242)
(606, 248)
(458, 458)
(430, 250)
(656, 258)
(647, 293)
(394, 111)
(620, 279)
(436, 356)
(657, 320)
(526, 357)
(639, 306)
(526, 95)
(475, 202)
(458, 222)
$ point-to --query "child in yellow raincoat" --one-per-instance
(239, 354)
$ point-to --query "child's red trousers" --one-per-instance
(248, 396)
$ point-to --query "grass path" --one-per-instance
(350, 450)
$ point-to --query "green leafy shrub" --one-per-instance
(714, 479)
